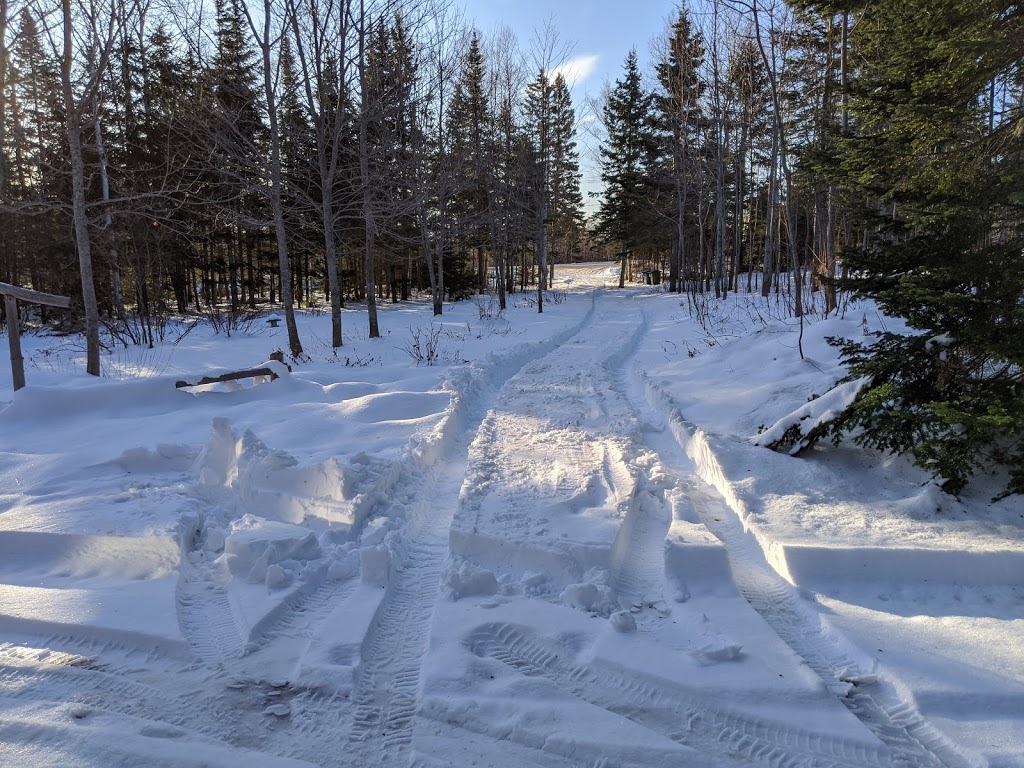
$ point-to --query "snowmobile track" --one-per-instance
(663, 708)
(207, 621)
(97, 689)
(302, 612)
(896, 722)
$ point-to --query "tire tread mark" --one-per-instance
(103, 691)
(710, 727)
(895, 721)
(206, 619)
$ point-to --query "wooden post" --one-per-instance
(11, 294)
(14, 338)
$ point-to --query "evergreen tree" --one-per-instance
(297, 169)
(539, 113)
(746, 89)
(235, 90)
(679, 114)
(469, 118)
(36, 167)
(566, 197)
(236, 137)
(940, 160)
(163, 160)
(625, 214)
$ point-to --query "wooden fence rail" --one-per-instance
(11, 294)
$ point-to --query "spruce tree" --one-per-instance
(625, 214)
(678, 116)
(539, 124)
(37, 166)
(566, 197)
(235, 136)
(938, 162)
(469, 117)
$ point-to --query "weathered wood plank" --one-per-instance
(14, 339)
(35, 297)
(232, 376)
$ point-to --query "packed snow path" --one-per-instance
(539, 580)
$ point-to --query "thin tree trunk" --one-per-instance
(364, 179)
(276, 204)
(4, 55)
(108, 222)
(78, 210)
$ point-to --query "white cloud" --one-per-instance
(576, 69)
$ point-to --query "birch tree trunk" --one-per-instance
(79, 217)
(108, 223)
(265, 40)
(365, 180)
(327, 122)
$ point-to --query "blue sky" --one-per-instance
(597, 33)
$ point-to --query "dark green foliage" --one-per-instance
(953, 410)
(626, 214)
(566, 212)
(471, 151)
(940, 162)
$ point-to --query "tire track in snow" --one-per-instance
(689, 719)
(77, 680)
(304, 610)
(913, 742)
(638, 572)
(387, 690)
(894, 720)
(206, 618)
(637, 567)
(525, 748)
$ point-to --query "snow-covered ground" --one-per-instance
(559, 544)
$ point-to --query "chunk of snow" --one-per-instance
(590, 597)
(810, 415)
(277, 578)
(623, 621)
(255, 544)
(942, 340)
(468, 580)
(715, 652)
(374, 566)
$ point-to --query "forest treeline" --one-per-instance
(278, 151)
(183, 157)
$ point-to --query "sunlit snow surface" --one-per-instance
(559, 544)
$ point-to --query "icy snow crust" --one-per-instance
(561, 545)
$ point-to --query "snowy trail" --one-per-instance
(510, 564)
(586, 492)
(875, 702)
(206, 618)
(387, 689)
